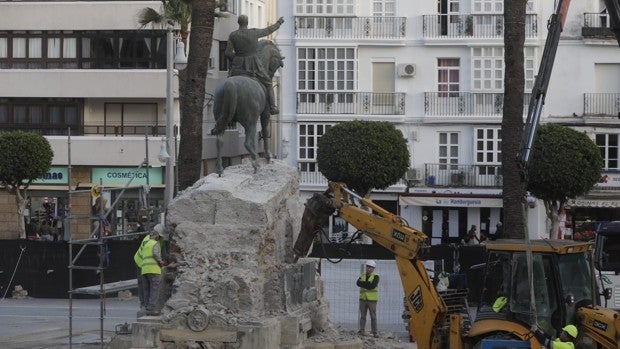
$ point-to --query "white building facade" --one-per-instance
(87, 69)
(435, 69)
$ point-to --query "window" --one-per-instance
(309, 135)
(325, 7)
(488, 150)
(43, 116)
(324, 70)
(488, 6)
(448, 150)
(383, 8)
(608, 145)
(448, 77)
(129, 118)
(143, 49)
(488, 68)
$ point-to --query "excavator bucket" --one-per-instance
(318, 209)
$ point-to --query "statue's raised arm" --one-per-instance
(242, 50)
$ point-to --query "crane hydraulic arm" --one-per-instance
(539, 91)
(427, 308)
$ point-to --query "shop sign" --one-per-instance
(120, 176)
(55, 175)
(450, 201)
(592, 203)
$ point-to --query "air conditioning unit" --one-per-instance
(406, 70)
(413, 174)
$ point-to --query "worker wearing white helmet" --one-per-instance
(151, 263)
(368, 283)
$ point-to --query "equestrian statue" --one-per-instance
(247, 93)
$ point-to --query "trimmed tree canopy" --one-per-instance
(363, 154)
(565, 163)
(25, 157)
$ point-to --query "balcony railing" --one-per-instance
(360, 103)
(601, 104)
(315, 178)
(596, 25)
(350, 27)
(467, 103)
(472, 26)
(455, 175)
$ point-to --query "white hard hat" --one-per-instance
(159, 229)
(371, 263)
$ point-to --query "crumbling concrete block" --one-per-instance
(259, 335)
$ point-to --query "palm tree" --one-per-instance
(512, 120)
(176, 11)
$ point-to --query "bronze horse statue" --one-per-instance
(243, 99)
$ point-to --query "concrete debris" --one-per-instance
(232, 280)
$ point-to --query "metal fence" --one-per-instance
(343, 295)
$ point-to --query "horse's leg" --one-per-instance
(250, 143)
(264, 123)
(218, 145)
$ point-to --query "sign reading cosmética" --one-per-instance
(122, 175)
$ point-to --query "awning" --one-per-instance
(451, 201)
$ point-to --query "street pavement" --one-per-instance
(34, 323)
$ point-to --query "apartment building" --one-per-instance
(435, 69)
(83, 74)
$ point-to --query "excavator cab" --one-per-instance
(562, 279)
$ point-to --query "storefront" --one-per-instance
(585, 213)
(137, 196)
(136, 193)
(446, 218)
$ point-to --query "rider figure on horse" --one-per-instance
(242, 50)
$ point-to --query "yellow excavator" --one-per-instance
(560, 272)
(563, 277)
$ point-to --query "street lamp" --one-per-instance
(171, 61)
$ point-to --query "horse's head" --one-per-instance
(272, 58)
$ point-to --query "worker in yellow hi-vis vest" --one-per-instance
(368, 283)
(151, 263)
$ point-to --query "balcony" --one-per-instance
(601, 104)
(597, 25)
(476, 26)
(462, 176)
(383, 28)
(88, 130)
(314, 180)
(355, 103)
(467, 103)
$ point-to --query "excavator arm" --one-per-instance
(427, 309)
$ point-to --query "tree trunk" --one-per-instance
(20, 200)
(512, 121)
(192, 98)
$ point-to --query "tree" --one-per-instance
(25, 157)
(512, 120)
(363, 154)
(193, 92)
(564, 164)
(201, 16)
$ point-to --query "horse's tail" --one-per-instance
(224, 106)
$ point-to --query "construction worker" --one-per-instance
(137, 258)
(565, 341)
(368, 283)
(151, 268)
